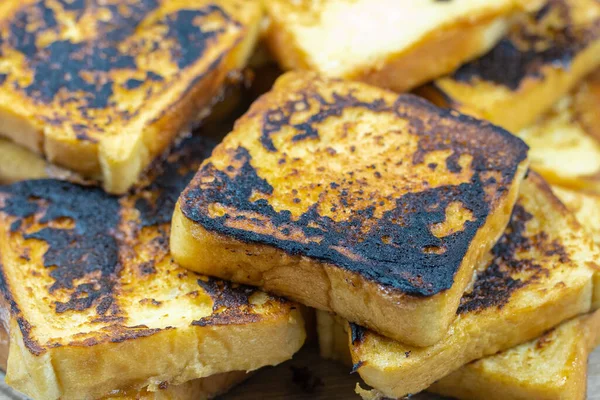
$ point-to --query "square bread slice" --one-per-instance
(540, 274)
(396, 44)
(551, 367)
(94, 303)
(104, 87)
(352, 199)
(565, 143)
(543, 57)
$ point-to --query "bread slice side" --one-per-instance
(197, 389)
(553, 366)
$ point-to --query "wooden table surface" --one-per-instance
(294, 380)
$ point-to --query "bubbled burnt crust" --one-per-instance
(74, 83)
(548, 38)
(392, 251)
(519, 259)
(87, 260)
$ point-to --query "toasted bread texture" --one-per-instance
(315, 193)
(565, 143)
(543, 57)
(585, 206)
(539, 276)
(396, 44)
(92, 298)
(196, 389)
(551, 367)
(103, 87)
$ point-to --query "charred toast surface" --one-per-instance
(543, 57)
(539, 275)
(103, 87)
(352, 199)
(553, 366)
(88, 276)
(565, 143)
(397, 44)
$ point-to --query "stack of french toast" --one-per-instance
(186, 183)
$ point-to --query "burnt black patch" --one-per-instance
(531, 46)
(157, 201)
(357, 333)
(82, 72)
(494, 286)
(192, 39)
(89, 249)
(226, 294)
(277, 118)
(133, 84)
(147, 268)
(356, 366)
(231, 303)
(400, 262)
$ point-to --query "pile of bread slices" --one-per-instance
(185, 183)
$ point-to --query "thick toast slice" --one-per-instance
(565, 143)
(103, 87)
(539, 276)
(92, 298)
(352, 199)
(196, 389)
(396, 44)
(551, 367)
(543, 57)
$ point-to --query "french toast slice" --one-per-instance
(352, 199)
(104, 87)
(196, 389)
(94, 303)
(551, 367)
(396, 44)
(539, 275)
(543, 57)
(565, 143)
